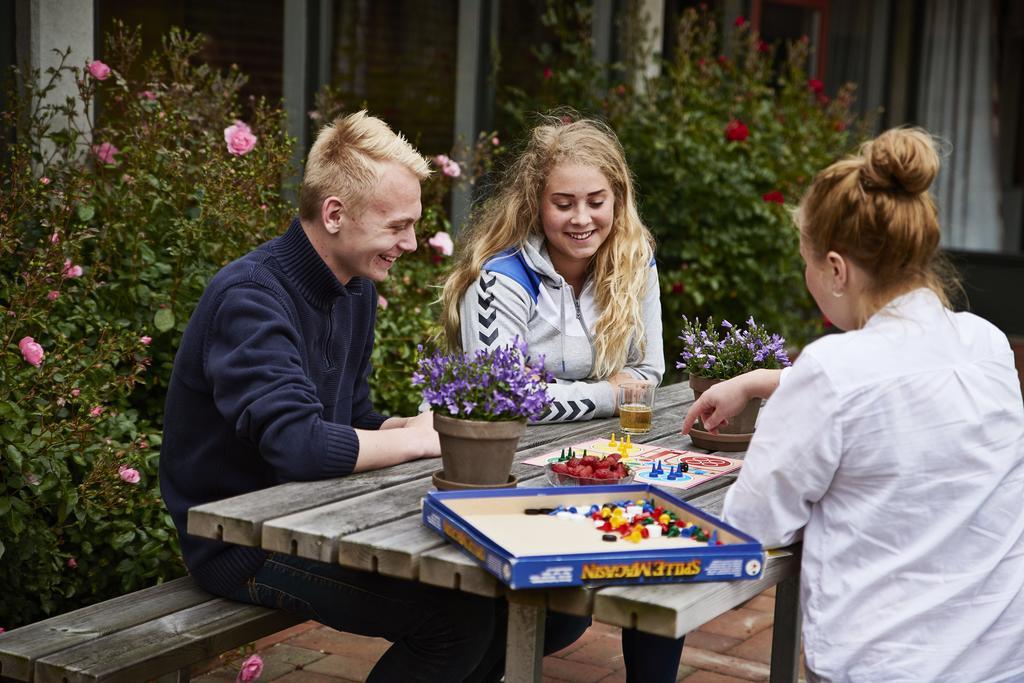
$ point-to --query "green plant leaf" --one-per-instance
(164, 319)
(86, 212)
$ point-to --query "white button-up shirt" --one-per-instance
(898, 450)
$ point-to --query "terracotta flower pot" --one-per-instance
(477, 452)
(734, 436)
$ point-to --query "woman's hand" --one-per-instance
(621, 377)
(726, 399)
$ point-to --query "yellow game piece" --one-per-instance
(605, 512)
(664, 519)
(613, 443)
(635, 536)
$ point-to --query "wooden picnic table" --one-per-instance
(371, 521)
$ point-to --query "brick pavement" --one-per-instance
(733, 648)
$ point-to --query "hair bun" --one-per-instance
(900, 160)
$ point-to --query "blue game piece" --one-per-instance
(654, 471)
(573, 509)
(714, 538)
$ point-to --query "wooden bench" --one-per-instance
(158, 632)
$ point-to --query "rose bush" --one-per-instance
(109, 231)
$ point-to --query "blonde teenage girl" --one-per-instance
(559, 257)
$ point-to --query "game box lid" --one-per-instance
(519, 536)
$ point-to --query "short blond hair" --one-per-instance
(347, 160)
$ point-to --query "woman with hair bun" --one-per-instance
(894, 450)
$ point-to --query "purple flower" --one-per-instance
(489, 385)
(727, 350)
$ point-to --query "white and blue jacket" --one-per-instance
(519, 293)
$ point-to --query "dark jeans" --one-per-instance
(438, 635)
(650, 658)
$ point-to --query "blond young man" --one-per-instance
(270, 385)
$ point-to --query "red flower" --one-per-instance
(822, 99)
(736, 131)
(739, 21)
(774, 196)
(723, 60)
(840, 126)
(815, 85)
(763, 46)
(548, 72)
(677, 288)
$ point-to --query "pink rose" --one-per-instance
(441, 160)
(71, 270)
(148, 95)
(96, 411)
(128, 474)
(31, 351)
(52, 295)
(105, 153)
(44, 180)
(495, 141)
(382, 302)
(146, 340)
(72, 563)
(54, 238)
(442, 241)
(239, 138)
(99, 70)
(75, 393)
(452, 169)
(251, 669)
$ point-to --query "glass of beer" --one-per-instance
(636, 405)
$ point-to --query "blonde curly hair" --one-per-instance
(621, 265)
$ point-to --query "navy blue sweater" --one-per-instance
(269, 381)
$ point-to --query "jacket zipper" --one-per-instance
(586, 330)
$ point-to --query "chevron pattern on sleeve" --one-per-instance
(567, 411)
(488, 331)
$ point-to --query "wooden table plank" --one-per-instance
(392, 549)
(317, 533)
(448, 567)
(240, 519)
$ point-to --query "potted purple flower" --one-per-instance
(481, 404)
(714, 353)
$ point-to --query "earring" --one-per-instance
(837, 294)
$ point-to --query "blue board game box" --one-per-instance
(528, 538)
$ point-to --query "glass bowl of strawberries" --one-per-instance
(589, 470)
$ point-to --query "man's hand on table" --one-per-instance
(399, 439)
